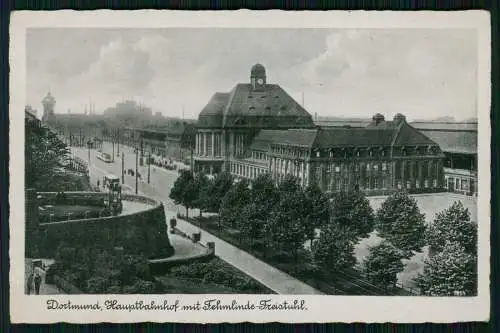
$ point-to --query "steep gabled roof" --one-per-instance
(337, 137)
(267, 107)
(294, 137)
(406, 135)
(211, 114)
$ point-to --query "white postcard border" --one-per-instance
(32, 309)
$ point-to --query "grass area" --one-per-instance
(343, 283)
(61, 210)
(213, 277)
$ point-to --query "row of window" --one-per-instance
(364, 152)
(246, 171)
(204, 144)
(459, 184)
(260, 156)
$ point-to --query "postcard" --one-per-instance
(239, 166)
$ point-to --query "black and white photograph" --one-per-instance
(265, 161)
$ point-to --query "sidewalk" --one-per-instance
(45, 289)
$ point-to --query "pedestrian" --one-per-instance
(38, 282)
(98, 182)
(29, 283)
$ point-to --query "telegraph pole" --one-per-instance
(113, 145)
(123, 168)
(118, 143)
(136, 169)
(149, 167)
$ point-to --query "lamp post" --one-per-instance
(136, 170)
(123, 167)
(149, 167)
(113, 145)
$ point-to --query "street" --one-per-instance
(161, 181)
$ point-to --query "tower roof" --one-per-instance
(48, 99)
(257, 70)
(270, 107)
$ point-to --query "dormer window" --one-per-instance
(318, 154)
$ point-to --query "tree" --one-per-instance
(264, 192)
(203, 186)
(289, 185)
(45, 156)
(185, 191)
(334, 249)
(353, 210)
(399, 221)
(233, 203)
(251, 223)
(451, 272)
(286, 224)
(216, 190)
(452, 224)
(320, 210)
(383, 264)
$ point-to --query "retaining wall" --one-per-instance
(144, 232)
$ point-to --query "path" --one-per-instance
(45, 289)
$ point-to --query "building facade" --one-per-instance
(458, 141)
(230, 121)
(378, 159)
(176, 142)
(258, 128)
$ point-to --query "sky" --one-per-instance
(421, 73)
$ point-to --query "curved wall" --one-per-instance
(144, 232)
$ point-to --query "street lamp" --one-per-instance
(136, 170)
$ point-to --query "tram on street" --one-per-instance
(104, 156)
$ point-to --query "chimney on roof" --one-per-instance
(399, 118)
(378, 118)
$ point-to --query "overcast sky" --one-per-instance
(422, 73)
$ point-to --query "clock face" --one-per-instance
(260, 81)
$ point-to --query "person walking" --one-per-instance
(29, 283)
(38, 282)
(98, 182)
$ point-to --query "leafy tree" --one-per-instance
(451, 272)
(399, 221)
(185, 191)
(264, 192)
(353, 210)
(382, 264)
(216, 190)
(320, 210)
(286, 224)
(203, 185)
(234, 201)
(45, 157)
(334, 250)
(289, 185)
(453, 224)
(251, 222)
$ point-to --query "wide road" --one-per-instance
(161, 182)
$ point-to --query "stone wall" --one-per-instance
(144, 232)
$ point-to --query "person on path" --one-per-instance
(29, 283)
(38, 282)
(98, 182)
